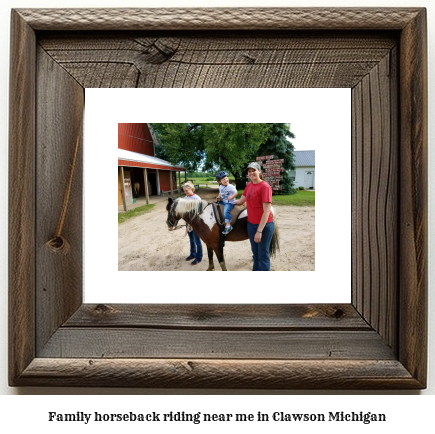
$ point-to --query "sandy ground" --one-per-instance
(145, 243)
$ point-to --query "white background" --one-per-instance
(407, 412)
(320, 117)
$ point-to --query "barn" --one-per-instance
(140, 173)
(304, 175)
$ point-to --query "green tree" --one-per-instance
(279, 145)
(227, 147)
(181, 144)
(230, 147)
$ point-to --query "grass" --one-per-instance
(122, 217)
(301, 198)
(203, 181)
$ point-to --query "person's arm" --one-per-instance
(266, 212)
(234, 194)
(241, 201)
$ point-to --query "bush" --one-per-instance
(301, 188)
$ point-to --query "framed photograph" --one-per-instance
(377, 341)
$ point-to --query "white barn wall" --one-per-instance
(300, 176)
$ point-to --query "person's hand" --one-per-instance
(257, 237)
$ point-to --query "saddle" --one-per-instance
(238, 212)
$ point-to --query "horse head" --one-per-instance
(183, 208)
(173, 218)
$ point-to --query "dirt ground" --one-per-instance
(145, 243)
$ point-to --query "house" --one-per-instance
(304, 175)
(140, 173)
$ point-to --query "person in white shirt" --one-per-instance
(195, 241)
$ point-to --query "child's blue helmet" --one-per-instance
(220, 175)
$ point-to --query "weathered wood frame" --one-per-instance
(377, 341)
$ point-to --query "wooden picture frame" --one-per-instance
(376, 342)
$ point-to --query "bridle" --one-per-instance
(172, 222)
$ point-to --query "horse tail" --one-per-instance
(274, 243)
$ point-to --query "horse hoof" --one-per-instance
(210, 269)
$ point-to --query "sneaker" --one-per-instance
(227, 230)
(195, 262)
(189, 258)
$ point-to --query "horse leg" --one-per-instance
(210, 259)
(220, 257)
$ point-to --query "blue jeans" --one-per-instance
(227, 211)
(260, 251)
(195, 245)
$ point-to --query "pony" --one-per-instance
(136, 187)
(200, 215)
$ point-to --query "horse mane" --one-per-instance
(185, 205)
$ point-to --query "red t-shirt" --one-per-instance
(256, 195)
